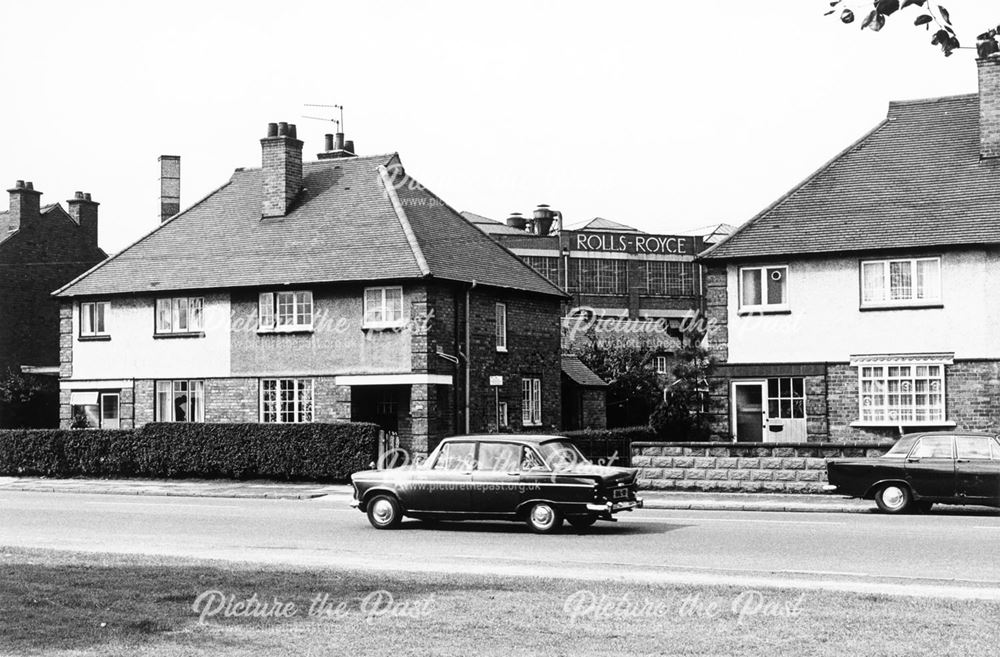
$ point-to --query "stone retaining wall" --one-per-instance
(742, 467)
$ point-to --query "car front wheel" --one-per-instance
(893, 498)
(543, 518)
(384, 512)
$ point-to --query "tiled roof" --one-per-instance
(579, 373)
(914, 181)
(343, 227)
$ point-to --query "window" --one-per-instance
(973, 447)
(502, 415)
(95, 410)
(179, 315)
(660, 364)
(598, 276)
(93, 318)
(786, 398)
(901, 282)
(933, 447)
(764, 288)
(668, 278)
(503, 457)
(285, 311)
(903, 393)
(383, 307)
(456, 456)
(531, 401)
(286, 400)
(501, 327)
(547, 266)
(180, 401)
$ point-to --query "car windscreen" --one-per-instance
(561, 454)
(901, 448)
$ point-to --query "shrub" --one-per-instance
(609, 446)
(316, 452)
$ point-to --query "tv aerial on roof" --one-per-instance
(339, 122)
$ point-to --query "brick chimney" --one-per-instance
(989, 106)
(25, 205)
(170, 186)
(282, 169)
(84, 212)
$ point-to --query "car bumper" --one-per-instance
(615, 507)
(829, 488)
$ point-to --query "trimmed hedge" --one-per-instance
(601, 445)
(290, 452)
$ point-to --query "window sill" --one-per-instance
(94, 338)
(532, 424)
(285, 329)
(750, 312)
(502, 350)
(888, 424)
(388, 326)
(170, 336)
(900, 306)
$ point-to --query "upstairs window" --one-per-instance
(93, 318)
(383, 307)
(285, 311)
(764, 289)
(904, 282)
(180, 315)
(501, 313)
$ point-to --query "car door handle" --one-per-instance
(513, 474)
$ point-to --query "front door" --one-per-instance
(749, 412)
(786, 410)
(110, 417)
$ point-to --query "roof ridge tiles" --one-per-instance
(411, 238)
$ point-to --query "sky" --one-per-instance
(662, 115)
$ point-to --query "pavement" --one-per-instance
(679, 500)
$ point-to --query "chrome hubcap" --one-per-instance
(382, 511)
(542, 515)
(893, 497)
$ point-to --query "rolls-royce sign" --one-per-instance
(633, 243)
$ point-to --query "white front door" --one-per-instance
(749, 411)
(110, 418)
(786, 410)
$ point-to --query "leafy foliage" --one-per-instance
(683, 414)
(933, 17)
(633, 385)
(315, 452)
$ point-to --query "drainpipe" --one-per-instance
(468, 355)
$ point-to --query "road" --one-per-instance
(944, 555)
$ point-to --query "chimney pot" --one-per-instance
(19, 184)
(349, 146)
(78, 196)
(282, 129)
(328, 142)
(272, 129)
(339, 142)
(29, 185)
(292, 131)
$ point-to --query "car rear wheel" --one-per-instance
(543, 518)
(582, 522)
(893, 498)
(384, 512)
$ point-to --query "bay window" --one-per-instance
(902, 393)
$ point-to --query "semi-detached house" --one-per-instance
(338, 289)
(863, 303)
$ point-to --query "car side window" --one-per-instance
(498, 457)
(995, 446)
(973, 447)
(456, 456)
(531, 461)
(933, 447)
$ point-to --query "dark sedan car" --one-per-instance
(924, 468)
(539, 479)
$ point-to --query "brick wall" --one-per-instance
(742, 467)
(232, 400)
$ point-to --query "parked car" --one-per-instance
(922, 469)
(538, 479)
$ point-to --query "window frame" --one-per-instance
(296, 401)
(383, 308)
(883, 391)
(269, 313)
(764, 281)
(193, 328)
(166, 413)
(887, 301)
(89, 309)
(501, 327)
(656, 364)
(531, 401)
(503, 421)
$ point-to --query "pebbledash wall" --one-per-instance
(344, 360)
(824, 337)
(742, 467)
